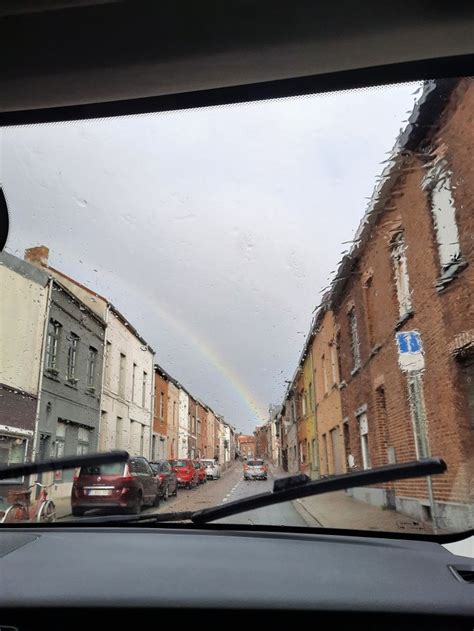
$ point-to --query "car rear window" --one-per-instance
(179, 463)
(255, 463)
(114, 468)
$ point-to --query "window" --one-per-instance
(467, 371)
(123, 360)
(354, 333)
(60, 440)
(418, 414)
(52, 344)
(310, 395)
(12, 451)
(144, 389)
(162, 405)
(304, 403)
(401, 275)
(325, 377)
(83, 441)
(73, 340)
(118, 432)
(438, 183)
(174, 413)
(134, 371)
(364, 440)
(334, 362)
(91, 367)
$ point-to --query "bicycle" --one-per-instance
(43, 510)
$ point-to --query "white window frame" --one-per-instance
(443, 211)
(91, 367)
(72, 350)
(402, 280)
(363, 424)
(416, 400)
(52, 344)
(355, 340)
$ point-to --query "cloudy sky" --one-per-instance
(214, 231)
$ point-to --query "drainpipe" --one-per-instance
(104, 370)
(36, 438)
(434, 516)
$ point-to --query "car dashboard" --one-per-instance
(57, 577)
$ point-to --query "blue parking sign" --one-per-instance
(409, 342)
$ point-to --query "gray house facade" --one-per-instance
(69, 410)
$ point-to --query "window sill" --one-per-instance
(404, 318)
(52, 375)
(450, 274)
(355, 370)
(71, 384)
(91, 392)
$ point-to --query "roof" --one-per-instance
(109, 304)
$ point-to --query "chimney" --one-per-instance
(37, 256)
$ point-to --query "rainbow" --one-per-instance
(257, 409)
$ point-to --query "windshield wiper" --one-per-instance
(284, 490)
(60, 464)
(305, 488)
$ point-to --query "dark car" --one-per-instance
(185, 472)
(123, 486)
(167, 478)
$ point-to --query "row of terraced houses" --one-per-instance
(76, 377)
(387, 371)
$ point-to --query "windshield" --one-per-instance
(279, 287)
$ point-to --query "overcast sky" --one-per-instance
(213, 230)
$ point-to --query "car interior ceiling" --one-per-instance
(108, 58)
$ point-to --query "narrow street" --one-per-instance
(233, 487)
(230, 487)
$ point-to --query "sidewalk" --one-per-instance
(339, 510)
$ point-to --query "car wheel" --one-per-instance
(77, 512)
(136, 507)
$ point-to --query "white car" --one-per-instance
(213, 470)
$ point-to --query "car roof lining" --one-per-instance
(108, 58)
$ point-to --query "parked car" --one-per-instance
(185, 472)
(255, 469)
(167, 478)
(123, 486)
(213, 471)
(201, 471)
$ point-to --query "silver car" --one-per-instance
(255, 469)
(213, 471)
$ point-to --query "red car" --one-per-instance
(118, 486)
(185, 472)
(201, 471)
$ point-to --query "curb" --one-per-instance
(303, 512)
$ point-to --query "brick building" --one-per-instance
(403, 306)
(332, 432)
(246, 446)
(159, 446)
